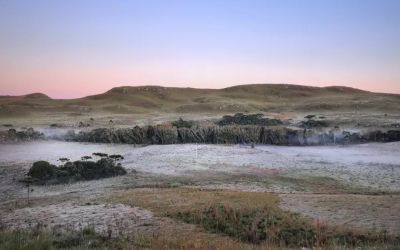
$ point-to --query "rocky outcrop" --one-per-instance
(231, 135)
(13, 135)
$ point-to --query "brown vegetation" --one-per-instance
(250, 217)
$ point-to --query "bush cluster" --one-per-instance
(42, 172)
(251, 119)
(180, 123)
(310, 123)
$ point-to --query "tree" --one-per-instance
(102, 155)
(28, 181)
(85, 158)
(63, 160)
(116, 157)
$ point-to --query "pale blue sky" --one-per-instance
(74, 48)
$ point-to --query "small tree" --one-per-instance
(63, 160)
(85, 158)
(102, 155)
(41, 170)
(116, 157)
(28, 182)
(309, 117)
(182, 123)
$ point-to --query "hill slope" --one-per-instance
(242, 98)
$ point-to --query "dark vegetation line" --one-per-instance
(229, 134)
(239, 128)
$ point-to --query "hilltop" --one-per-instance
(242, 98)
(126, 103)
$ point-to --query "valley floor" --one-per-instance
(355, 186)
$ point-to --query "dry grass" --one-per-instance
(167, 201)
(248, 217)
(245, 98)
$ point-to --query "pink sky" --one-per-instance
(70, 49)
(79, 81)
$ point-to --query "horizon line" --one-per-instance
(189, 87)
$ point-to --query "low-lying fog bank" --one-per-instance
(372, 165)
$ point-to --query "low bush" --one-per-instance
(310, 123)
(56, 125)
(251, 119)
(43, 172)
(180, 123)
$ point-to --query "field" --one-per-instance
(204, 196)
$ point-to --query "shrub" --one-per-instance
(311, 123)
(309, 117)
(85, 158)
(42, 170)
(116, 157)
(180, 123)
(251, 119)
(56, 125)
(100, 154)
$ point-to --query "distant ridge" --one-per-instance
(36, 96)
(246, 87)
(241, 98)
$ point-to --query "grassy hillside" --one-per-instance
(244, 98)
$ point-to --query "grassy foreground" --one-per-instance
(206, 219)
(252, 218)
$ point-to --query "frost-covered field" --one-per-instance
(374, 165)
(328, 182)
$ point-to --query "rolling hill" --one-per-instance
(242, 98)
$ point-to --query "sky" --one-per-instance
(74, 48)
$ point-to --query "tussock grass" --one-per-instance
(40, 239)
(251, 217)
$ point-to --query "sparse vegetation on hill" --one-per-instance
(244, 98)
